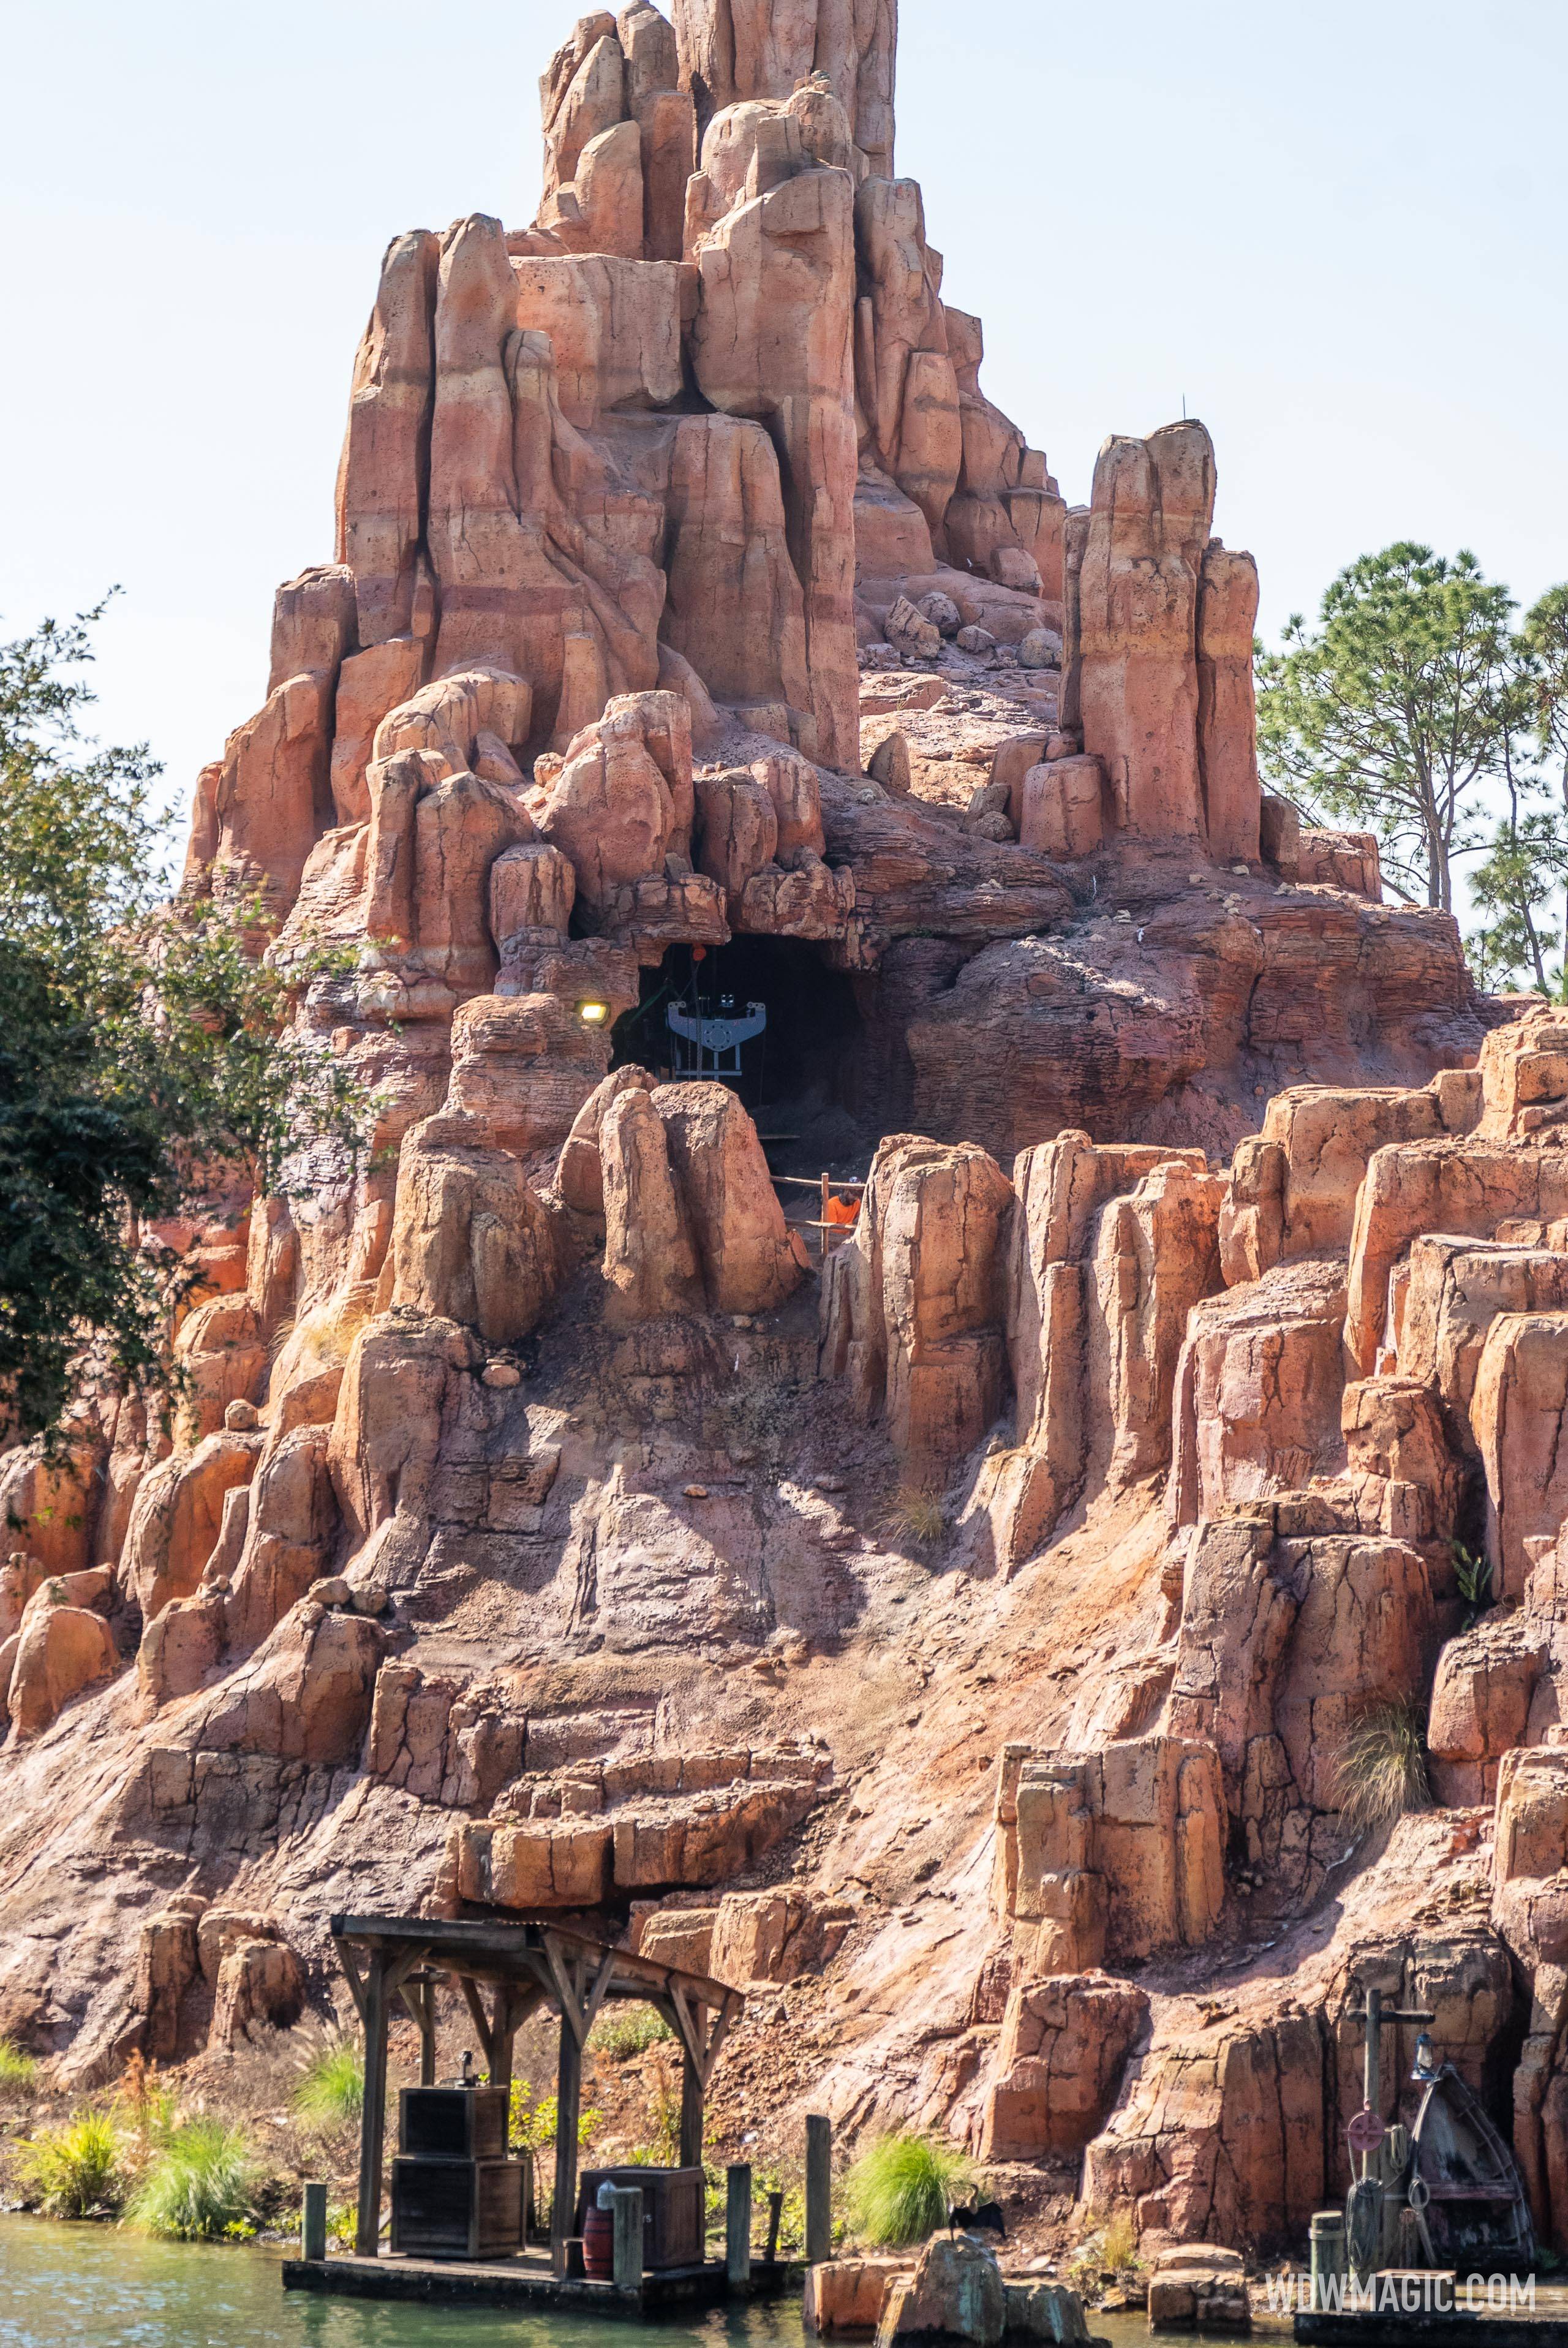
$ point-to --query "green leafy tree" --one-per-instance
(1542, 652)
(1393, 711)
(1543, 638)
(141, 1046)
(1512, 890)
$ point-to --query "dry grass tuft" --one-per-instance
(1381, 1768)
(916, 1515)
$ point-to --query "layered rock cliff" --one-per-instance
(952, 1622)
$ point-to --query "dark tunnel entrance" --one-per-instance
(796, 1074)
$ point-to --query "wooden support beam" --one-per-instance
(513, 2005)
(373, 2116)
(419, 1998)
(691, 2112)
(598, 1991)
(567, 2101)
(428, 2035)
(579, 1997)
(352, 1975)
(482, 2019)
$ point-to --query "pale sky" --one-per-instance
(1335, 232)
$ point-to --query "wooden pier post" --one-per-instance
(738, 2226)
(775, 2216)
(627, 2269)
(819, 2189)
(568, 2099)
(1328, 2239)
(312, 2224)
(373, 2118)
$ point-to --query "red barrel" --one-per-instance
(598, 2243)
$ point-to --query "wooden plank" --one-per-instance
(521, 2286)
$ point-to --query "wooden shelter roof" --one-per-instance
(524, 1965)
(489, 1948)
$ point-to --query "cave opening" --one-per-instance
(767, 1016)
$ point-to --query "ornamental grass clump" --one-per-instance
(901, 2190)
(330, 2093)
(1381, 1770)
(622, 2036)
(74, 2171)
(18, 2071)
(197, 2187)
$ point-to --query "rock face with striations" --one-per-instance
(949, 1598)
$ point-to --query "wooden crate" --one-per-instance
(675, 2215)
(457, 2209)
(452, 2123)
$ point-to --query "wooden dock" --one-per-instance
(527, 2281)
(1456, 2330)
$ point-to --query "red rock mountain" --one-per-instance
(956, 1635)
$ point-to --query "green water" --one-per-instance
(93, 2287)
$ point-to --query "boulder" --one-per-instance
(166, 1966)
(1258, 1390)
(1062, 810)
(1481, 1698)
(177, 1516)
(471, 1240)
(650, 1260)
(261, 1986)
(1156, 1256)
(773, 1936)
(682, 1937)
(1065, 2042)
(1121, 1849)
(381, 477)
(1149, 527)
(1200, 2285)
(848, 2295)
(772, 339)
(749, 1262)
(955, 2292)
(61, 1648)
(1227, 714)
(913, 1306)
(1518, 1412)
(522, 1068)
